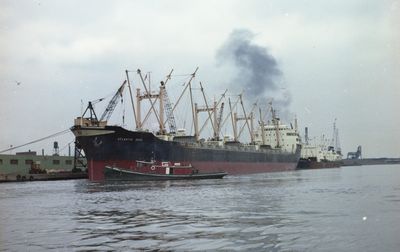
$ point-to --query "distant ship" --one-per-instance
(273, 147)
(322, 155)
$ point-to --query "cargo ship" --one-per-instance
(159, 152)
(313, 157)
(322, 155)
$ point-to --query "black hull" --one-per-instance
(313, 164)
(115, 146)
(117, 174)
(121, 144)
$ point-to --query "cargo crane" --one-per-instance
(355, 155)
(111, 106)
(168, 110)
(93, 120)
(219, 120)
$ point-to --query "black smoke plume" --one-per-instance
(256, 70)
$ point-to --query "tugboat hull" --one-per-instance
(118, 174)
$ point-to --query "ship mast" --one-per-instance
(149, 96)
(194, 113)
(335, 138)
(161, 95)
(229, 114)
(262, 127)
(206, 121)
(139, 98)
(164, 102)
(247, 118)
(275, 121)
(233, 117)
(213, 124)
(130, 93)
(139, 109)
(183, 92)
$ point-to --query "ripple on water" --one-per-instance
(292, 211)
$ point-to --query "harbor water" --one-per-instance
(341, 209)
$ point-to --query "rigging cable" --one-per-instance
(65, 146)
(38, 140)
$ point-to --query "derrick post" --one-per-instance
(138, 112)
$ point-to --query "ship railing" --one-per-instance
(246, 148)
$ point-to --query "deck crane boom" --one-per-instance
(168, 109)
(219, 119)
(111, 106)
(168, 105)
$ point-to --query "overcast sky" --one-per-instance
(329, 59)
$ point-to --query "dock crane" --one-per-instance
(355, 155)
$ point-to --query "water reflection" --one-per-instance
(183, 215)
(174, 230)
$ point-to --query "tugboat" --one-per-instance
(151, 171)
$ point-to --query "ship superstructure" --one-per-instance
(278, 136)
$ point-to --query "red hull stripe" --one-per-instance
(96, 168)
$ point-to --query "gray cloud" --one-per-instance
(335, 56)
